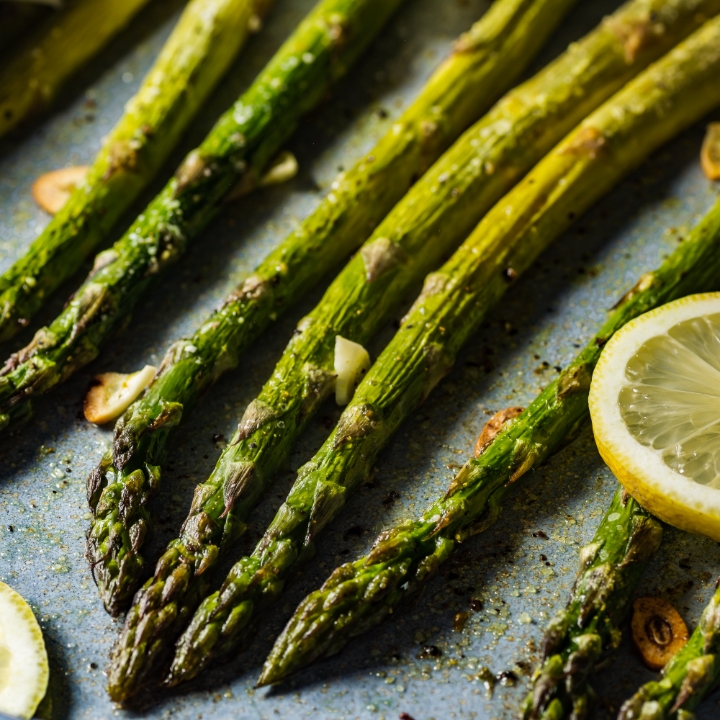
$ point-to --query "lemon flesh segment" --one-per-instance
(655, 408)
(23, 658)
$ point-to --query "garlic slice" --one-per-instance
(283, 169)
(52, 190)
(352, 361)
(710, 154)
(113, 394)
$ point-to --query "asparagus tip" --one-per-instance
(270, 674)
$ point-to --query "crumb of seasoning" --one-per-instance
(405, 716)
(429, 651)
(476, 605)
(540, 534)
(459, 621)
(507, 678)
(488, 680)
(391, 497)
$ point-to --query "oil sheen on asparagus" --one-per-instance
(242, 144)
(673, 93)
(206, 39)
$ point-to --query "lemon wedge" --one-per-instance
(655, 409)
(23, 658)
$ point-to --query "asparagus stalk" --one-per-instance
(31, 79)
(687, 679)
(243, 142)
(667, 97)
(485, 60)
(430, 220)
(206, 39)
(590, 626)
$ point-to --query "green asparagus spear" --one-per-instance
(31, 78)
(667, 97)
(590, 626)
(457, 94)
(688, 678)
(485, 60)
(242, 143)
(433, 217)
(207, 37)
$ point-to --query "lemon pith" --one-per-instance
(23, 658)
(655, 409)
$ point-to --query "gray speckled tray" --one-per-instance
(550, 313)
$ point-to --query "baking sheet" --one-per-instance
(547, 316)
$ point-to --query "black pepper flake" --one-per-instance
(429, 651)
(540, 534)
(476, 605)
(507, 678)
(391, 497)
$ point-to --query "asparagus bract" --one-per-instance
(688, 678)
(208, 36)
(240, 146)
(462, 88)
(590, 626)
(667, 97)
(432, 219)
(37, 70)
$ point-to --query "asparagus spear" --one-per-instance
(31, 79)
(446, 106)
(432, 218)
(361, 594)
(242, 143)
(590, 626)
(485, 60)
(688, 678)
(207, 37)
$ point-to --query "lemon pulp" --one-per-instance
(671, 402)
(23, 658)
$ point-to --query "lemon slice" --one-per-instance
(655, 409)
(23, 658)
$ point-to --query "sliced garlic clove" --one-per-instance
(710, 154)
(113, 394)
(52, 190)
(352, 361)
(284, 168)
